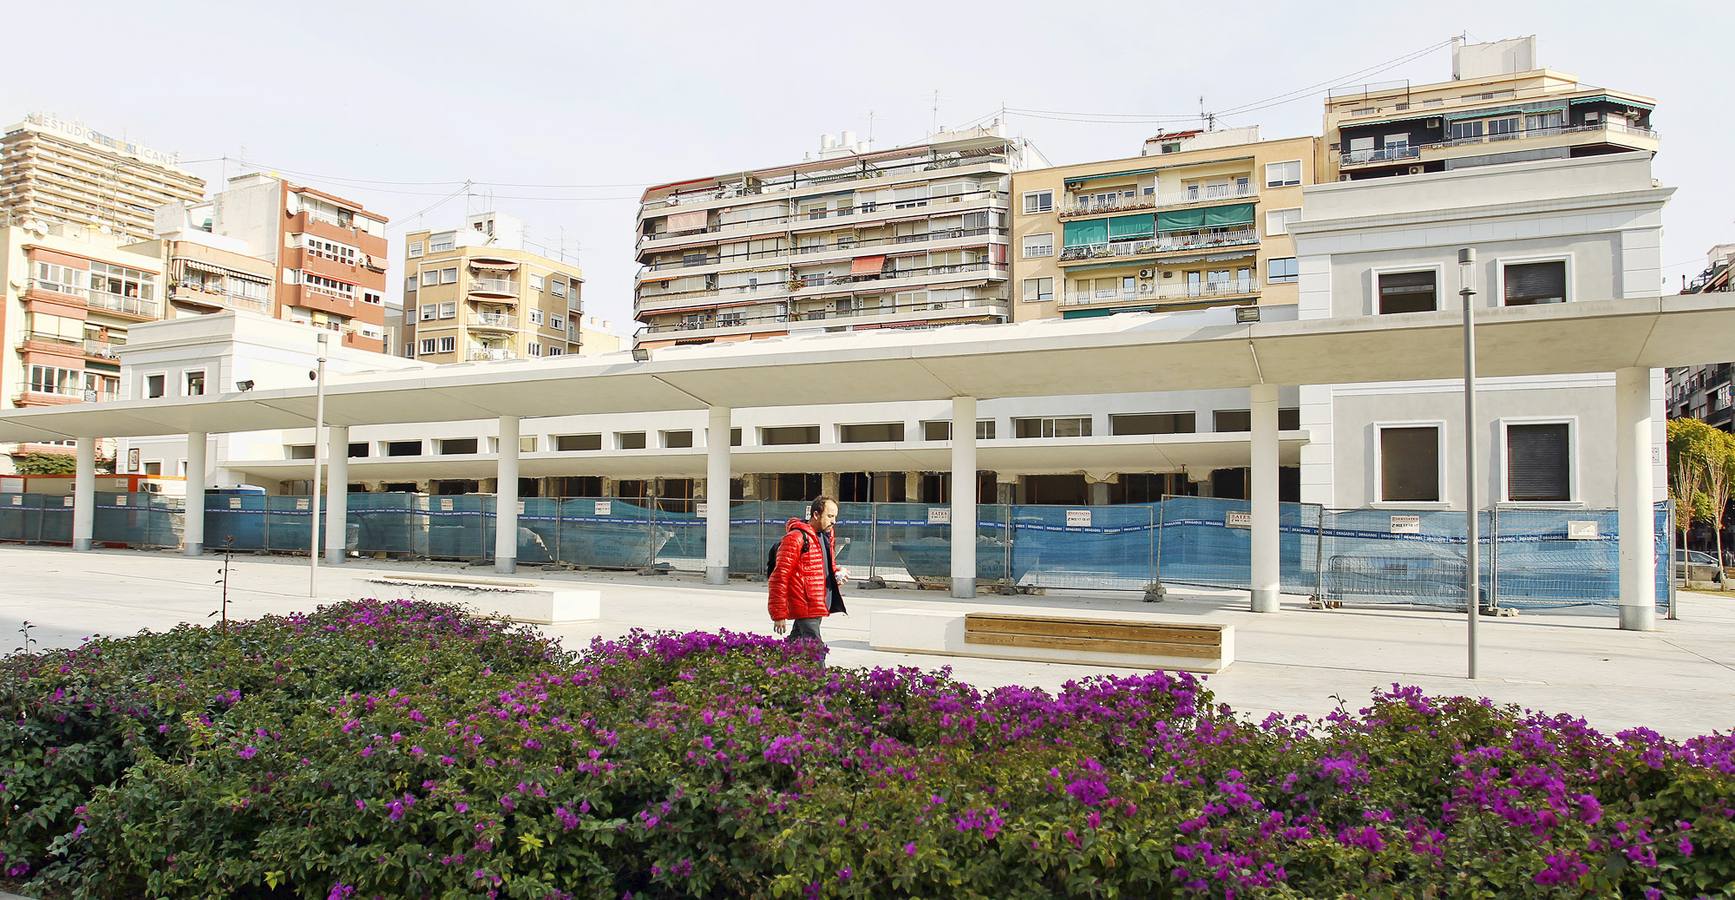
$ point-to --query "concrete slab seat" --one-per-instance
(1056, 638)
(518, 600)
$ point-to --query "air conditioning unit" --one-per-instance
(1146, 273)
(1344, 177)
(1416, 170)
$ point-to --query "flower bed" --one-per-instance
(409, 749)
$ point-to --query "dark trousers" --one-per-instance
(805, 630)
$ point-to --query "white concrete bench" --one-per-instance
(1055, 636)
(520, 601)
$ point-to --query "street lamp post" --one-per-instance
(1472, 573)
(318, 467)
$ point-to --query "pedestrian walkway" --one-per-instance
(1679, 680)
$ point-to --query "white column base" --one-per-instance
(964, 588)
(1638, 618)
(716, 574)
(193, 550)
(505, 565)
(1265, 600)
(334, 557)
(81, 544)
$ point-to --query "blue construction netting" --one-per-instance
(1531, 557)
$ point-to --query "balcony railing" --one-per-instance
(1168, 293)
(859, 171)
(494, 320)
(70, 290)
(195, 292)
(493, 286)
(131, 306)
(986, 306)
(937, 234)
(831, 215)
(103, 349)
(1162, 243)
(491, 353)
(1090, 205)
(1413, 151)
(779, 284)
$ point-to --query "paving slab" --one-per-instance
(1678, 680)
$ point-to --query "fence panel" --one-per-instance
(393, 524)
(1207, 541)
(36, 518)
(1397, 556)
(606, 533)
(1086, 547)
(141, 521)
(1551, 558)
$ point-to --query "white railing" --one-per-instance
(493, 286)
(132, 306)
(104, 349)
(1162, 243)
(487, 353)
(1088, 205)
(1413, 151)
(494, 320)
(1166, 293)
(71, 290)
(867, 209)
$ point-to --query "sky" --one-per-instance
(560, 113)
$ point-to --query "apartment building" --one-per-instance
(71, 295)
(1500, 106)
(1199, 219)
(53, 170)
(911, 237)
(1707, 392)
(325, 254)
(477, 293)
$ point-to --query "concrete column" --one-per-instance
(828, 484)
(913, 487)
(506, 498)
(963, 496)
(84, 494)
(1262, 490)
(1633, 499)
(1096, 487)
(717, 496)
(607, 486)
(193, 517)
(336, 493)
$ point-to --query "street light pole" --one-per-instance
(1472, 573)
(318, 468)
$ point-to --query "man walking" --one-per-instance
(806, 581)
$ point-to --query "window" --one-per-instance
(1277, 220)
(558, 323)
(677, 440)
(428, 345)
(357, 450)
(457, 446)
(556, 351)
(1281, 270)
(1231, 420)
(558, 286)
(536, 282)
(526, 443)
(1283, 174)
(867, 434)
(429, 311)
(535, 349)
(1528, 284)
(1409, 464)
(449, 309)
(942, 430)
(1289, 418)
(1038, 202)
(430, 277)
(789, 434)
(1407, 292)
(1051, 426)
(440, 243)
(155, 385)
(1152, 423)
(61, 279)
(630, 440)
(330, 286)
(331, 250)
(536, 317)
(403, 448)
(1464, 131)
(571, 442)
(449, 276)
(195, 384)
(372, 297)
(415, 249)
(1539, 462)
(120, 281)
(1038, 290)
(1039, 245)
(448, 344)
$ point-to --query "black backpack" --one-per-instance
(771, 555)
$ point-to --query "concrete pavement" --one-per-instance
(1679, 680)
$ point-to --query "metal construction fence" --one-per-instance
(1530, 557)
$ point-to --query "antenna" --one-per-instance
(1208, 118)
(870, 137)
(934, 125)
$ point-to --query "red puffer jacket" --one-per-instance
(798, 581)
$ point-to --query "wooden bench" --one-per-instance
(1055, 636)
(516, 599)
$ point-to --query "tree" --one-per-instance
(45, 464)
(1719, 480)
(1689, 442)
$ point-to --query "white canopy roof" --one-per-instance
(1112, 354)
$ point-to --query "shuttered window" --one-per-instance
(1538, 465)
(1407, 292)
(1528, 284)
(1410, 463)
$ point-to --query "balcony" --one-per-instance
(59, 292)
(857, 170)
(1081, 207)
(493, 287)
(1612, 132)
(193, 293)
(814, 253)
(489, 354)
(126, 306)
(103, 350)
(493, 321)
(1162, 243)
(1167, 293)
(780, 285)
(863, 314)
(862, 216)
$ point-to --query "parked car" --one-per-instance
(1696, 565)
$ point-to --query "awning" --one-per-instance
(1604, 98)
(1127, 227)
(214, 269)
(1129, 173)
(867, 265)
(691, 220)
(1103, 311)
(1541, 106)
(499, 265)
(1086, 233)
(1180, 220)
(1224, 216)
